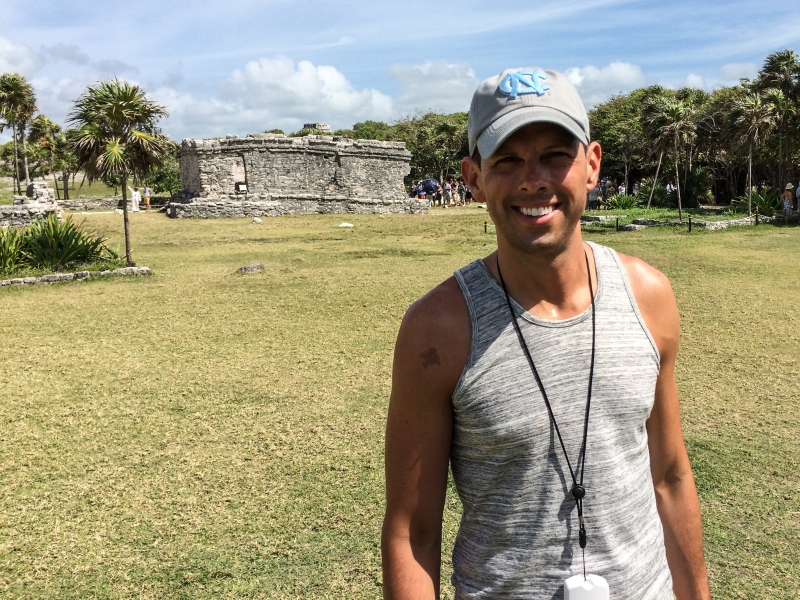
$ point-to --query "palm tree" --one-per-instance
(17, 103)
(754, 120)
(116, 135)
(45, 133)
(671, 121)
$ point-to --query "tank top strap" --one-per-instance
(617, 294)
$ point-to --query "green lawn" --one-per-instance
(200, 434)
(87, 190)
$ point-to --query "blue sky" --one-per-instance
(245, 66)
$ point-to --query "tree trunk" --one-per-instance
(750, 182)
(25, 157)
(65, 179)
(678, 182)
(655, 179)
(16, 157)
(55, 184)
(124, 186)
(627, 189)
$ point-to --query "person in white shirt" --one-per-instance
(136, 197)
(146, 193)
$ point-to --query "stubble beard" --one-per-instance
(549, 245)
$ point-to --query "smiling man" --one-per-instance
(543, 375)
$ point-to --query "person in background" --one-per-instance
(797, 197)
(136, 197)
(622, 189)
(786, 198)
(146, 193)
(467, 194)
(594, 198)
(448, 192)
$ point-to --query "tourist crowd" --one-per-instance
(455, 192)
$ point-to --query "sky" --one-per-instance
(245, 66)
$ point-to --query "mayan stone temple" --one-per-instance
(272, 175)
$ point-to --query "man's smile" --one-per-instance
(536, 215)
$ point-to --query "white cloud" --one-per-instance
(737, 71)
(596, 85)
(695, 81)
(434, 85)
(277, 92)
(17, 58)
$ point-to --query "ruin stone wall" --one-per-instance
(20, 215)
(269, 174)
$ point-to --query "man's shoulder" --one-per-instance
(644, 278)
(656, 302)
(434, 340)
(440, 312)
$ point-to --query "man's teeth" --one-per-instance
(536, 212)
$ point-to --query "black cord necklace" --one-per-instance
(578, 491)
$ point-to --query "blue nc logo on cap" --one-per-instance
(523, 82)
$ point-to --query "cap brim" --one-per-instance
(493, 136)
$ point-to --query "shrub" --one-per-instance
(10, 246)
(765, 201)
(697, 188)
(660, 197)
(621, 201)
(49, 243)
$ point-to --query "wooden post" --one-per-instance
(617, 224)
(690, 223)
(485, 226)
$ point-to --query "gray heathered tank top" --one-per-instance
(518, 536)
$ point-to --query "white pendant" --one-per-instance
(592, 587)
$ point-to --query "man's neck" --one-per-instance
(553, 287)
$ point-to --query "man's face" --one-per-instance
(535, 187)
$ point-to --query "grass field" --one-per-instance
(200, 434)
(87, 190)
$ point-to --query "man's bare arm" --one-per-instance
(676, 495)
(430, 354)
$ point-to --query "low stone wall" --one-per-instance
(65, 277)
(96, 203)
(301, 204)
(20, 215)
(710, 225)
(90, 203)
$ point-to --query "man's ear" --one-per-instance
(471, 171)
(594, 155)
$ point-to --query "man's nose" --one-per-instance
(534, 177)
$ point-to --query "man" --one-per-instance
(448, 193)
(146, 192)
(618, 498)
(594, 197)
(797, 198)
(136, 197)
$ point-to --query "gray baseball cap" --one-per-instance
(518, 97)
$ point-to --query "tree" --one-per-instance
(437, 143)
(17, 103)
(44, 133)
(671, 121)
(754, 119)
(116, 135)
(167, 176)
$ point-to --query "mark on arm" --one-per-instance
(430, 357)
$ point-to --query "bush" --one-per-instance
(660, 197)
(765, 201)
(10, 246)
(50, 244)
(697, 188)
(621, 201)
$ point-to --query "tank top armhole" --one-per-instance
(473, 332)
(634, 305)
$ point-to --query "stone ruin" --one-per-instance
(272, 175)
(39, 202)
